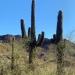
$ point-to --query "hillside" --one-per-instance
(44, 61)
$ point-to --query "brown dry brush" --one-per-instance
(60, 58)
(2, 71)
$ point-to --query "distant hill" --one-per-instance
(8, 37)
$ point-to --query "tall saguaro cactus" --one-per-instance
(23, 31)
(59, 31)
(33, 37)
(60, 45)
(33, 42)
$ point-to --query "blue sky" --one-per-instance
(11, 11)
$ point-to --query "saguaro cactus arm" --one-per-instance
(23, 31)
(40, 39)
(29, 32)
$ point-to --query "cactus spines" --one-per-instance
(29, 32)
(23, 31)
(59, 31)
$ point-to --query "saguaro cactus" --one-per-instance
(33, 37)
(33, 43)
(60, 45)
(29, 32)
(59, 31)
(23, 31)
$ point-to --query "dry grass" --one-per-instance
(45, 65)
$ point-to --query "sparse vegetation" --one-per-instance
(28, 56)
(43, 65)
